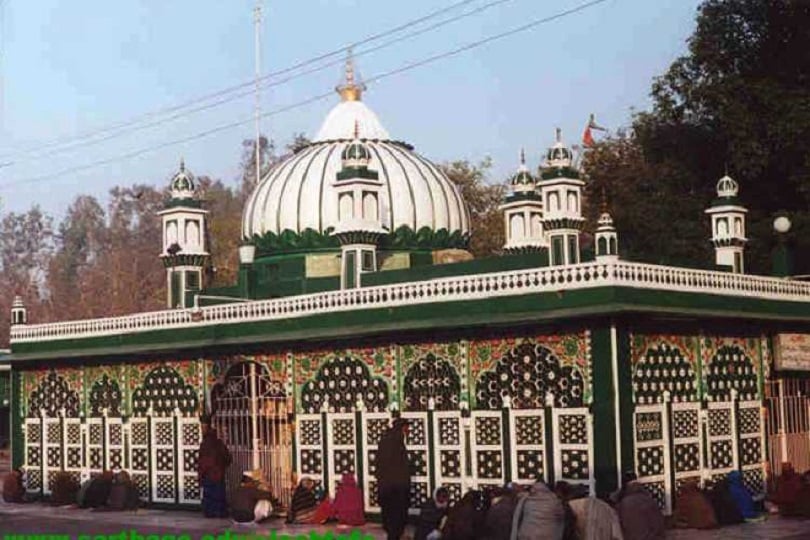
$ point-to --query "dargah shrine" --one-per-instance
(357, 301)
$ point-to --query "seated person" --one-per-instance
(124, 493)
(304, 504)
(64, 489)
(725, 508)
(431, 515)
(13, 488)
(348, 506)
(465, 520)
(693, 510)
(742, 497)
(95, 492)
(594, 519)
(250, 502)
(639, 514)
(498, 523)
(787, 492)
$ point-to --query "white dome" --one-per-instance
(340, 122)
(298, 193)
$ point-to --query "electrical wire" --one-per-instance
(428, 60)
(41, 152)
(229, 90)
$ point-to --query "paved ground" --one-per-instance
(40, 518)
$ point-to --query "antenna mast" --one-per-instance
(257, 25)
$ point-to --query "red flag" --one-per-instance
(587, 137)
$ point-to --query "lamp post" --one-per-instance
(781, 263)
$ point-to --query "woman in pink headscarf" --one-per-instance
(348, 503)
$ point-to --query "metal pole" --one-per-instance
(257, 23)
(254, 417)
(783, 413)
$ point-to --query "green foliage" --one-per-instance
(740, 98)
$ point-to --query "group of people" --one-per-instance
(108, 490)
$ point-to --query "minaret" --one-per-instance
(184, 251)
(606, 237)
(728, 226)
(359, 227)
(561, 191)
(523, 213)
(19, 315)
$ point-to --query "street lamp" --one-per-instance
(781, 264)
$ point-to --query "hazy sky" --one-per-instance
(72, 67)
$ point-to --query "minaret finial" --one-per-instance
(182, 164)
(350, 89)
(356, 129)
(522, 157)
(559, 135)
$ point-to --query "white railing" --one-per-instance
(472, 287)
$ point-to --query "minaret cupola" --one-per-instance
(185, 250)
(728, 226)
(523, 213)
(561, 192)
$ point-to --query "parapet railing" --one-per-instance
(457, 288)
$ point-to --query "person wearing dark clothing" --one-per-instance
(393, 474)
(123, 494)
(304, 503)
(724, 505)
(466, 518)
(498, 523)
(212, 463)
(250, 502)
(639, 514)
(96, 492)
(431, 515)
(13, 488)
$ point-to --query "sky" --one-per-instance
(68, 69)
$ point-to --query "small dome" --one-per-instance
(559, 155)
(523, 178)
(727, 187)
(356, 153)
(605, 220)
(182, 185)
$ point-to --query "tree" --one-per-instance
(224, 229)
(483, 200)
(739, 100)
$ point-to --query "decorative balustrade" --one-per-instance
(497, 284)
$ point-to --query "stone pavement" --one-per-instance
(43, 518)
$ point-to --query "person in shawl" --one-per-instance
(639, 514)
(431, 515)
(693, 510)
(393, 474)
(212, 464)
(348, 506)
(304, 504)
(594, 519)
(788, 489)
(465, 520)
(742, 497)
(250, 502)
(723, 503)
(123, 493)
(13, 488)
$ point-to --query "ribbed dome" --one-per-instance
(298, 193)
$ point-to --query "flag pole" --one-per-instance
(257, 23)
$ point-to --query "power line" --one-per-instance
(229, 90)
(41, 152)
(308, 101)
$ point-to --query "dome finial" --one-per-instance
(182, 164)
(351, 88)
(559, 134)
(356, 128)
(522, 157)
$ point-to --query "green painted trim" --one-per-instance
(626, 406)
(603, 409)
(17, 442)
(504, 311)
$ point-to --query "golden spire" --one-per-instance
(351, 89)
